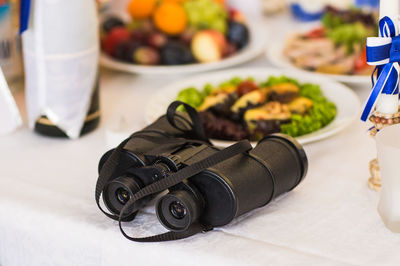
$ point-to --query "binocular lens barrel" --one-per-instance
(119, 191)
(178, 210)
(286, 160)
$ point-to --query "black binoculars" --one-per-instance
(198, 184)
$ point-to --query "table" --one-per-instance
(48, 215)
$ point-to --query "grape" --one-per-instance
(206, 14)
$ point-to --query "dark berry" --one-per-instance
(125, 50)
(146, 56)
(157, 40)
(238, 34)
(112, 22)
(175, 53)
(139, 36)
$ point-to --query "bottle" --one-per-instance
(10, 59)
(61, 51)
(45, 126)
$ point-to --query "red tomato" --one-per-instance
(316, 33)
(361, 62)
(245, 87)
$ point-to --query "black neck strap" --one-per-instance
(175, 178)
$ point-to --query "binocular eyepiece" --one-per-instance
(216, 190)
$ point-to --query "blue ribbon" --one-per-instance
(386, 27)
(385, 54)
(25, 10)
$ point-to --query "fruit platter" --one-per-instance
(252, 103)
(178, 36)
(336, 47)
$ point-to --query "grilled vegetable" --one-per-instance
(249, 100)
(266, 119)
(300, 105)
(219, 103)
(283, 93)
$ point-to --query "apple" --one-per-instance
(236, 15)
(116, 36)
(208, 46)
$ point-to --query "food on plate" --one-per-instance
(111, 23)
(146, 56)
(336, 47)
(243, 108)
(238, 34)
(208, 46)
(175, 53)
(207, 14)
(115, 37)
(170, 18)
(140, 9)
(175, 32)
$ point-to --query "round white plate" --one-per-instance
(347, 102)
(256, 46)
(277, 58)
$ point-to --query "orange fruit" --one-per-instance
(141, 8)
(170, 18)
(221, 2)
(173, 1)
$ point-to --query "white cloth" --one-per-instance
(48, 215)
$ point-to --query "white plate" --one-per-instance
(347, 102)
(277, 58)
(256, 46)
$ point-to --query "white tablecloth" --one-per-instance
(48, 215)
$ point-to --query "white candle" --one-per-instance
(389, 8)
(388, 104)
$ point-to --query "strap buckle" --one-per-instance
(207, 228)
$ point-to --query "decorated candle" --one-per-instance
(388, 103)
(384, 53)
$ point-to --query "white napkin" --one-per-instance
(10, 118)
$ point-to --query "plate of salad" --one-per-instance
(251, 103)
(167, 37)
(334, 48)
